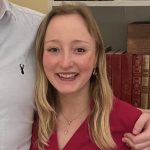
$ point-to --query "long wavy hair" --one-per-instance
(101, 93)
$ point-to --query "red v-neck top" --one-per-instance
(122, 120)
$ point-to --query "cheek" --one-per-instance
(87, 64)
(47, 62)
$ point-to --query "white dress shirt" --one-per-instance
(18, 28)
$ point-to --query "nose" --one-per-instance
(66, 60)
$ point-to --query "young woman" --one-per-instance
(75, 104)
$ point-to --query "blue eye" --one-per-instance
(80, 50)
(53, 50)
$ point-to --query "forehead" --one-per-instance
(68, 18)
(68, 24)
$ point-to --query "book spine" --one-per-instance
(145, 81)
(126, 77)
(136, 80)
(108, 66)
(116, 74)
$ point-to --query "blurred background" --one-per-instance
(39, 5)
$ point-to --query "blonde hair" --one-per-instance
(101, 92)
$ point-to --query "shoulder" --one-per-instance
(122, 120)
(124, 115)
(25, 10)
(26, 13)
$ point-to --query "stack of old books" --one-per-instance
(129, 72)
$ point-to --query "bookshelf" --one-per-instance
(114, 16)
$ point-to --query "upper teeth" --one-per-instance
(67, 75)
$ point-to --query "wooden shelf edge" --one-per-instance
(107, 3)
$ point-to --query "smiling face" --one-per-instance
(69, 54)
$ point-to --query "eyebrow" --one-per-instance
(75, 41)
(50, 41)
(80, 41)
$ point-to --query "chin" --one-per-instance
(67, 92)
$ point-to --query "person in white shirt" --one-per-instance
(18, 26)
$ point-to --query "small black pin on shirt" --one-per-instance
(22, 68)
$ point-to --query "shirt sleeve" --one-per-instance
(122, 120)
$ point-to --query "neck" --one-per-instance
(73, 103)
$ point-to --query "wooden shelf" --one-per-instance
(108, 3)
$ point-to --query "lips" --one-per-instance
(69, 76)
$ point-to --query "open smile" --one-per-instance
(69, 76)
